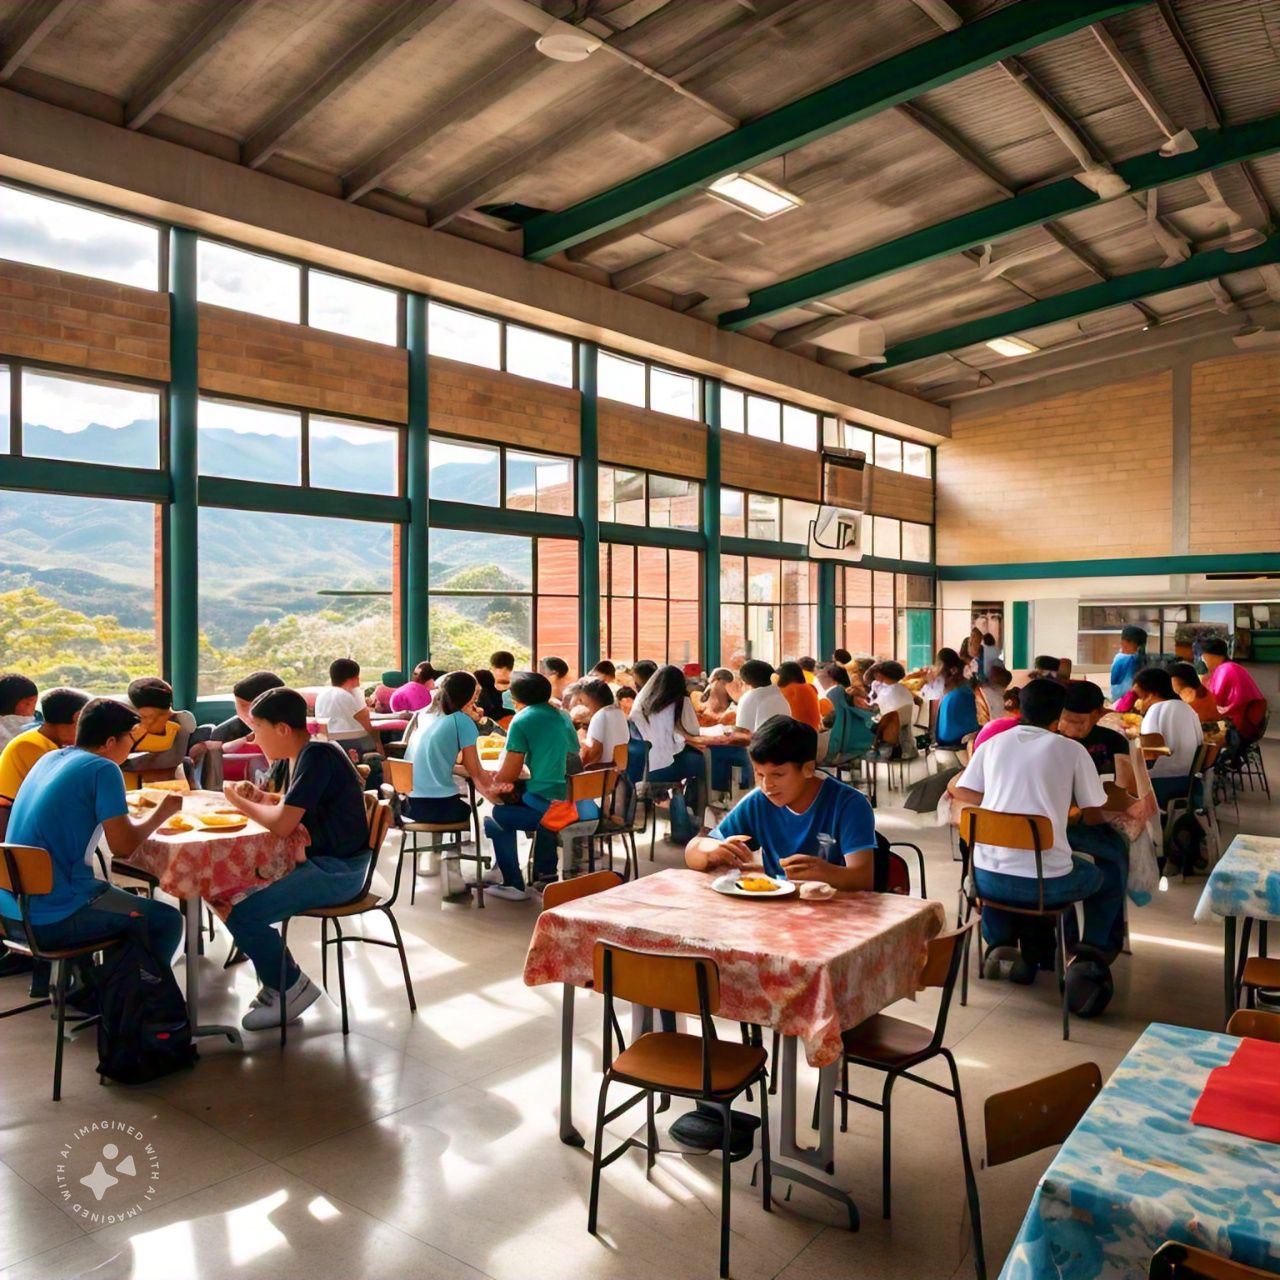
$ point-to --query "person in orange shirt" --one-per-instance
(1186, 683)
(801, 696)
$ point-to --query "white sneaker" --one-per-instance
(264, 1012)
(493, 876)
(508, 892)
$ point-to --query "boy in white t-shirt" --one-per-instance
(760, 703)
(342, 705)
(606, 728)
(1165, 713)
(895, 733)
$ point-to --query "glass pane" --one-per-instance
(888, 453)
(534, 354)
(797, 587)
(675, 393)
(674, 503)
(684, 631)
(764, 418)
(733, 634)
(359, 310)
(857, 587)
(463, 335)
(651, 573)
(464, 560)
(917, 460)
(85, 421)
(762, 637)
(651, 631)
(6, 444)
(289, 593)
(350, 456)
(247, 281)
(732, 410)
(52, 233)
(764, 580)
(250, 442)
(620, 622)
(733, 579)
(622, 570)
(619, 379)
(557, 604)
(798, 630)
(628, 497)
(536, 482)
(799, 427)
(796, 518)
(857, 632)
(732, 522)
(684, 575)
(882, 633)
(763, 519)
(882, 588)
(465, 630)
(919, 590)
(78, 589)
(916, 541)
(886, 539)
(463, 472)
(557, 566)
(861, 440)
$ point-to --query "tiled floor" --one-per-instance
(426, 1145)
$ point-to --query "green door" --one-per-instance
(919, 638)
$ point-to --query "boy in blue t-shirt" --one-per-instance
(790, 812)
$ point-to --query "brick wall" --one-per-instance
(1235, 454)
(64, 318)
(503, 408)
(763, 466)
(1082, 476)
(631, 437)
(894, 494)
(261, 359)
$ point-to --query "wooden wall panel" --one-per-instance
(763, 466)
(894, 494)
(503, 408)
(631, 437)
(64, 318)
(261, 359)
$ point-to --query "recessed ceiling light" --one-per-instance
(563, 44)
(1011, 347)
(754, 195)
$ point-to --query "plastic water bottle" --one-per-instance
(826, 843)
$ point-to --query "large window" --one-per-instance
(1173, 630)
(490, 343)
(84, 420)
(647, 386)
(290, 593)
(492, 475)
(887, 452)
(342, 305)
(47, 232)
(492, 591)
(767, 418)
(645, 498)
(885, 615)
(765, 517)
(78, 589)
(651, 606)
(768, 608)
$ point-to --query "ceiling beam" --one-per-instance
(28, 29)
(994, 221)
(894, 80)
(389, 33)
(1198, 269)
(167, 80)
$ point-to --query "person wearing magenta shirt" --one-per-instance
(1233, 688)
(415, 693)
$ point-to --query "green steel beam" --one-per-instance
(415, 613)
(85, 479)
(1197, 269)
(639, 536)
(527, 524)
(287, 499)
(992, 222)
(826, 608)
(763, 547)
(181, 568)
(1113, 567)
(1020, 625)
(711, 527)
(1006, 33)
(588, 507)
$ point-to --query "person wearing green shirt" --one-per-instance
(541, 737)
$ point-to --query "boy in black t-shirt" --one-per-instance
(1079, 720)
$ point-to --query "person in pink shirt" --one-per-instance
(1010, 720)
(1233, 688)
(415, 693)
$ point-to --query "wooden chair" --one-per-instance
(1254, 1024)
(589, 785)
(896, 1047)
(562, 891)
(702, 1067)
(1040, 1114)
(446, 837)
(1034, 833)
(379, 813)
(1174, 1261)
(27, 872)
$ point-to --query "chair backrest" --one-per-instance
(1007, 830)
(591, 784)
(559, 892)
(25, 870)
(1211, 750)
(1174, 1261)
(1040, 1114)
(899, 878)
(620, 754)
(1254, 1024)
(658, 981)
(943, 957)
(1149, 741)
(400, 774)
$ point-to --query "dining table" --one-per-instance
(218, 867)
(1136, 1172)
(807, 969)
(1243, 885)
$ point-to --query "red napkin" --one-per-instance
(1244, 1096)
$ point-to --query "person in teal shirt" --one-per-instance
(1129, 661)
(541, 738)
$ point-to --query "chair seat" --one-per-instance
(888, 1040)
(436, 826)
(369, 902)
(1018, 909)
(61, 953)
(1262, 971)
(673, 1060)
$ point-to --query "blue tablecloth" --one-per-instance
(1245, 881)
(1136, 1172)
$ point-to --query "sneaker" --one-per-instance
(493, 876)
(264, 1012)
(1008, 962)
(539, 886)
(508, 892)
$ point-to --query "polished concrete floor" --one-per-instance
(426, 1145)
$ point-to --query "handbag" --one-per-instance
(559, 814)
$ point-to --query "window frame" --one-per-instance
(649, 366)
(647, 476)
(503, 448)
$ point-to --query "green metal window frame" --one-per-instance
(610, 602)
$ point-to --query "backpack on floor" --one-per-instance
(144, 1032)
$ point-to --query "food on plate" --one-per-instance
(169, 784)
(758, 884)
(177, 825)
(817, 891)
(220, 821)
(139, 800)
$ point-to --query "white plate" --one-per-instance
(728, 884)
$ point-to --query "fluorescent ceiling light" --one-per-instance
(754, 195)
(1011, 347)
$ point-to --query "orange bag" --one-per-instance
(559, 814)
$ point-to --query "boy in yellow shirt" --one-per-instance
(160, 737)
(59, 711)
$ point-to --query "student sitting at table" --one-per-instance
(325, 796)
(664, 717)
(1032, 769)
(1129, 661)
(59, 711)
(488, 698)
(717, 699)
(160, 740)
(826, 829)
(834, 685)
(1165, 713)
(761, 700)
(1186, 684)
(606, 734)
(71, 798)
(991, 690)
(350, 723)
(448, 731)
(957, 712)
(502, 664)
(641, 673)
(557, 671)
(895, 730)
(1046, 667)
(209, 743)
(801, 696)
(1233, 689)
(415, 694)
(541, 737)
(17, 705)
(606, 671)
(1010, 715)
(379, 699)
(625, 696)
(810, 668)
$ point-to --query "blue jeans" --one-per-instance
(723, 762)
(1104, 914)
(686, 806)
(1084, 882)
(114, 914)
(317, 882)
(508, 819)
(1174, 788)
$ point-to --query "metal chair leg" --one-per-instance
(404, 960)
(651, 1130)
(886, 1155)
(284, 973)
(725, 1142)
(342, 975)
(60, 1003)
(971, 1182)
(324, 953)
(1061, 969)
(765, 1157)
(593, 1203)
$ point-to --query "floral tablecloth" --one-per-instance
(806, 969)
(1136, 1172)
(1245, 881)
(222, 868)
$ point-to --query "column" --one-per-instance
(181, 595)
(415, 616)
(589, 508)
(711, 527)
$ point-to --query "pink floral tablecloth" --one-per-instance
(806, 969)
(222, 868)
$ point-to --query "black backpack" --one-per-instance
(144, 1032)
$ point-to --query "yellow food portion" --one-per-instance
(757, 884)
(169, 784)
(177, 825)
(217, 820)
(139, 800)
